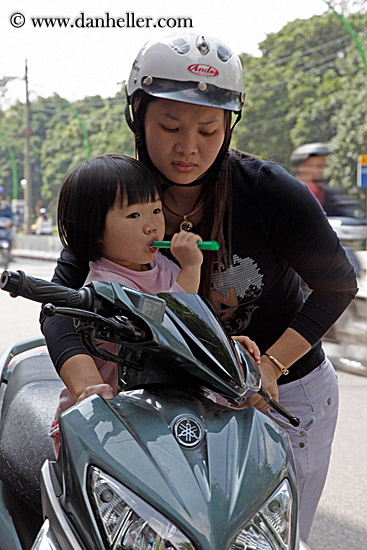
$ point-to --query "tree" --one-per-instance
(11, 128)
(301, 90)
(266, 104)
(347, 7)
(350, 138)
(64, 146)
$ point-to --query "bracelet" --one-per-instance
(278, 364)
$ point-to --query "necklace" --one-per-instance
(186, 224)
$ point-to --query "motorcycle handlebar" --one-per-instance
(19, 284)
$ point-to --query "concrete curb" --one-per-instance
(35, 254)
(36, 247)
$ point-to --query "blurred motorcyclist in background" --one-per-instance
(6, 224)
(5, 209)
(43, 225)
(309, 162)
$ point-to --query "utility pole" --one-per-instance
(27, 160)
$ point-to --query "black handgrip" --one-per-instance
(38, 290)
(294, 420)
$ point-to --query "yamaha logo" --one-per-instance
(203, 70)
(188, 431)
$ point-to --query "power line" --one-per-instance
(304, 53)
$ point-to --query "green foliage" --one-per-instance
(11, 127)
(58, 142)
(350, 137)
(309, 84)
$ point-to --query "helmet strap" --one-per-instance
(129, 120)
(238, 118)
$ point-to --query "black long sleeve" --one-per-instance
(280, 235)
(61, 337)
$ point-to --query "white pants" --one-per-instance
(314, 399)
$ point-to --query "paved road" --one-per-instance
(341, 520)
(19, 317)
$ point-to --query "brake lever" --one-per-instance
(294, 420)
(87, 316)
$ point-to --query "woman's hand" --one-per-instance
(287, 349)
(250, 346)
(269, 377)
(104, 390)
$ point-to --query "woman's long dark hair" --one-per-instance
(216, 194)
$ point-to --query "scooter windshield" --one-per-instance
(204, 334)
(183, 339)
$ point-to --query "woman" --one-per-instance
(182, 93)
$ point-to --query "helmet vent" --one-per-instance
(223, 52)
(148, 81)
(180, 45)
(202, 45)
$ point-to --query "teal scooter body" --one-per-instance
(208, 490)
(167, 463)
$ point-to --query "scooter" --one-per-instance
(345, 343)
(5, 242)
(160, 466)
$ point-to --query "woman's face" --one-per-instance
(183, 140)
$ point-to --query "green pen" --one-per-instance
(203, 245)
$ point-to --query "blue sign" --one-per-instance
(362, 171)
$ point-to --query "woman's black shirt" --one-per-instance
(280, 236)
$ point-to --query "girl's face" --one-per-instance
(130, 230)
(183, 140)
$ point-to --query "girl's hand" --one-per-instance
(104, 390)
(250, 346)
(184, 248)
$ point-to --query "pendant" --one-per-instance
(186, 225)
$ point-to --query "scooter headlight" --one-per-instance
(128, 521)
(269, 528)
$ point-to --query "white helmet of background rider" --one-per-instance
(308, 150)
(192, 68)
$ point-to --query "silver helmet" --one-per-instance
(309, 150)
(191, 68)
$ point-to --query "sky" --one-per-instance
(77, 62)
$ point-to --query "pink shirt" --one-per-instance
(160, 278)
